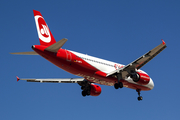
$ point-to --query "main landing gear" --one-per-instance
(86, 90)
(118, 85)
(140, 97)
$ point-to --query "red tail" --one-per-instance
(45, 36)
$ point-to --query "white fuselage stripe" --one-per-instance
(100, 64)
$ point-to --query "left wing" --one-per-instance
(53, 80)
(141, 61)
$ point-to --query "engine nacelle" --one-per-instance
(95, 90)
(141, 78)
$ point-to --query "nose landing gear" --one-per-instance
(140, 97)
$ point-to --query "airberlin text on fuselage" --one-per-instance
(42, 29)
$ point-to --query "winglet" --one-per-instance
(163, 42)
(17, 78)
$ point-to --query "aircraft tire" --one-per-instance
(116, 85)
(88, 93)
(84, 93)
(120, 85)
(140, 98)
(82, 87)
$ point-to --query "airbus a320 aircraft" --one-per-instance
(90, 69)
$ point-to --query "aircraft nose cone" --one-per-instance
(151, 84)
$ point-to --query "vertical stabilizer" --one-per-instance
(45, 36)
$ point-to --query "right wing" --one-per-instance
(53, 80)
(141, 61)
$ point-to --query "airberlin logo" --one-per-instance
(42, 29)
(45, 31)
(118, 66)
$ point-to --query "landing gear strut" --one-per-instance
(140, 97)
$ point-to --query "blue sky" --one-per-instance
(116, 30)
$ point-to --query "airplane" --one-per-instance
(90, 69)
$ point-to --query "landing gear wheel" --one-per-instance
(82, 87)
(88, 93)
(118, 85)
(84, 93)
(86, 88)
(140, 98)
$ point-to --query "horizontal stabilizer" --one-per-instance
(25, 53)
(56, 46)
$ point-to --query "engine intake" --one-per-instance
(140, 78)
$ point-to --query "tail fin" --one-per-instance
(45, 36)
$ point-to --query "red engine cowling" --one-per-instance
(143, 78)
(95, 90)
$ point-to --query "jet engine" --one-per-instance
(95, 90)
(140, 78)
